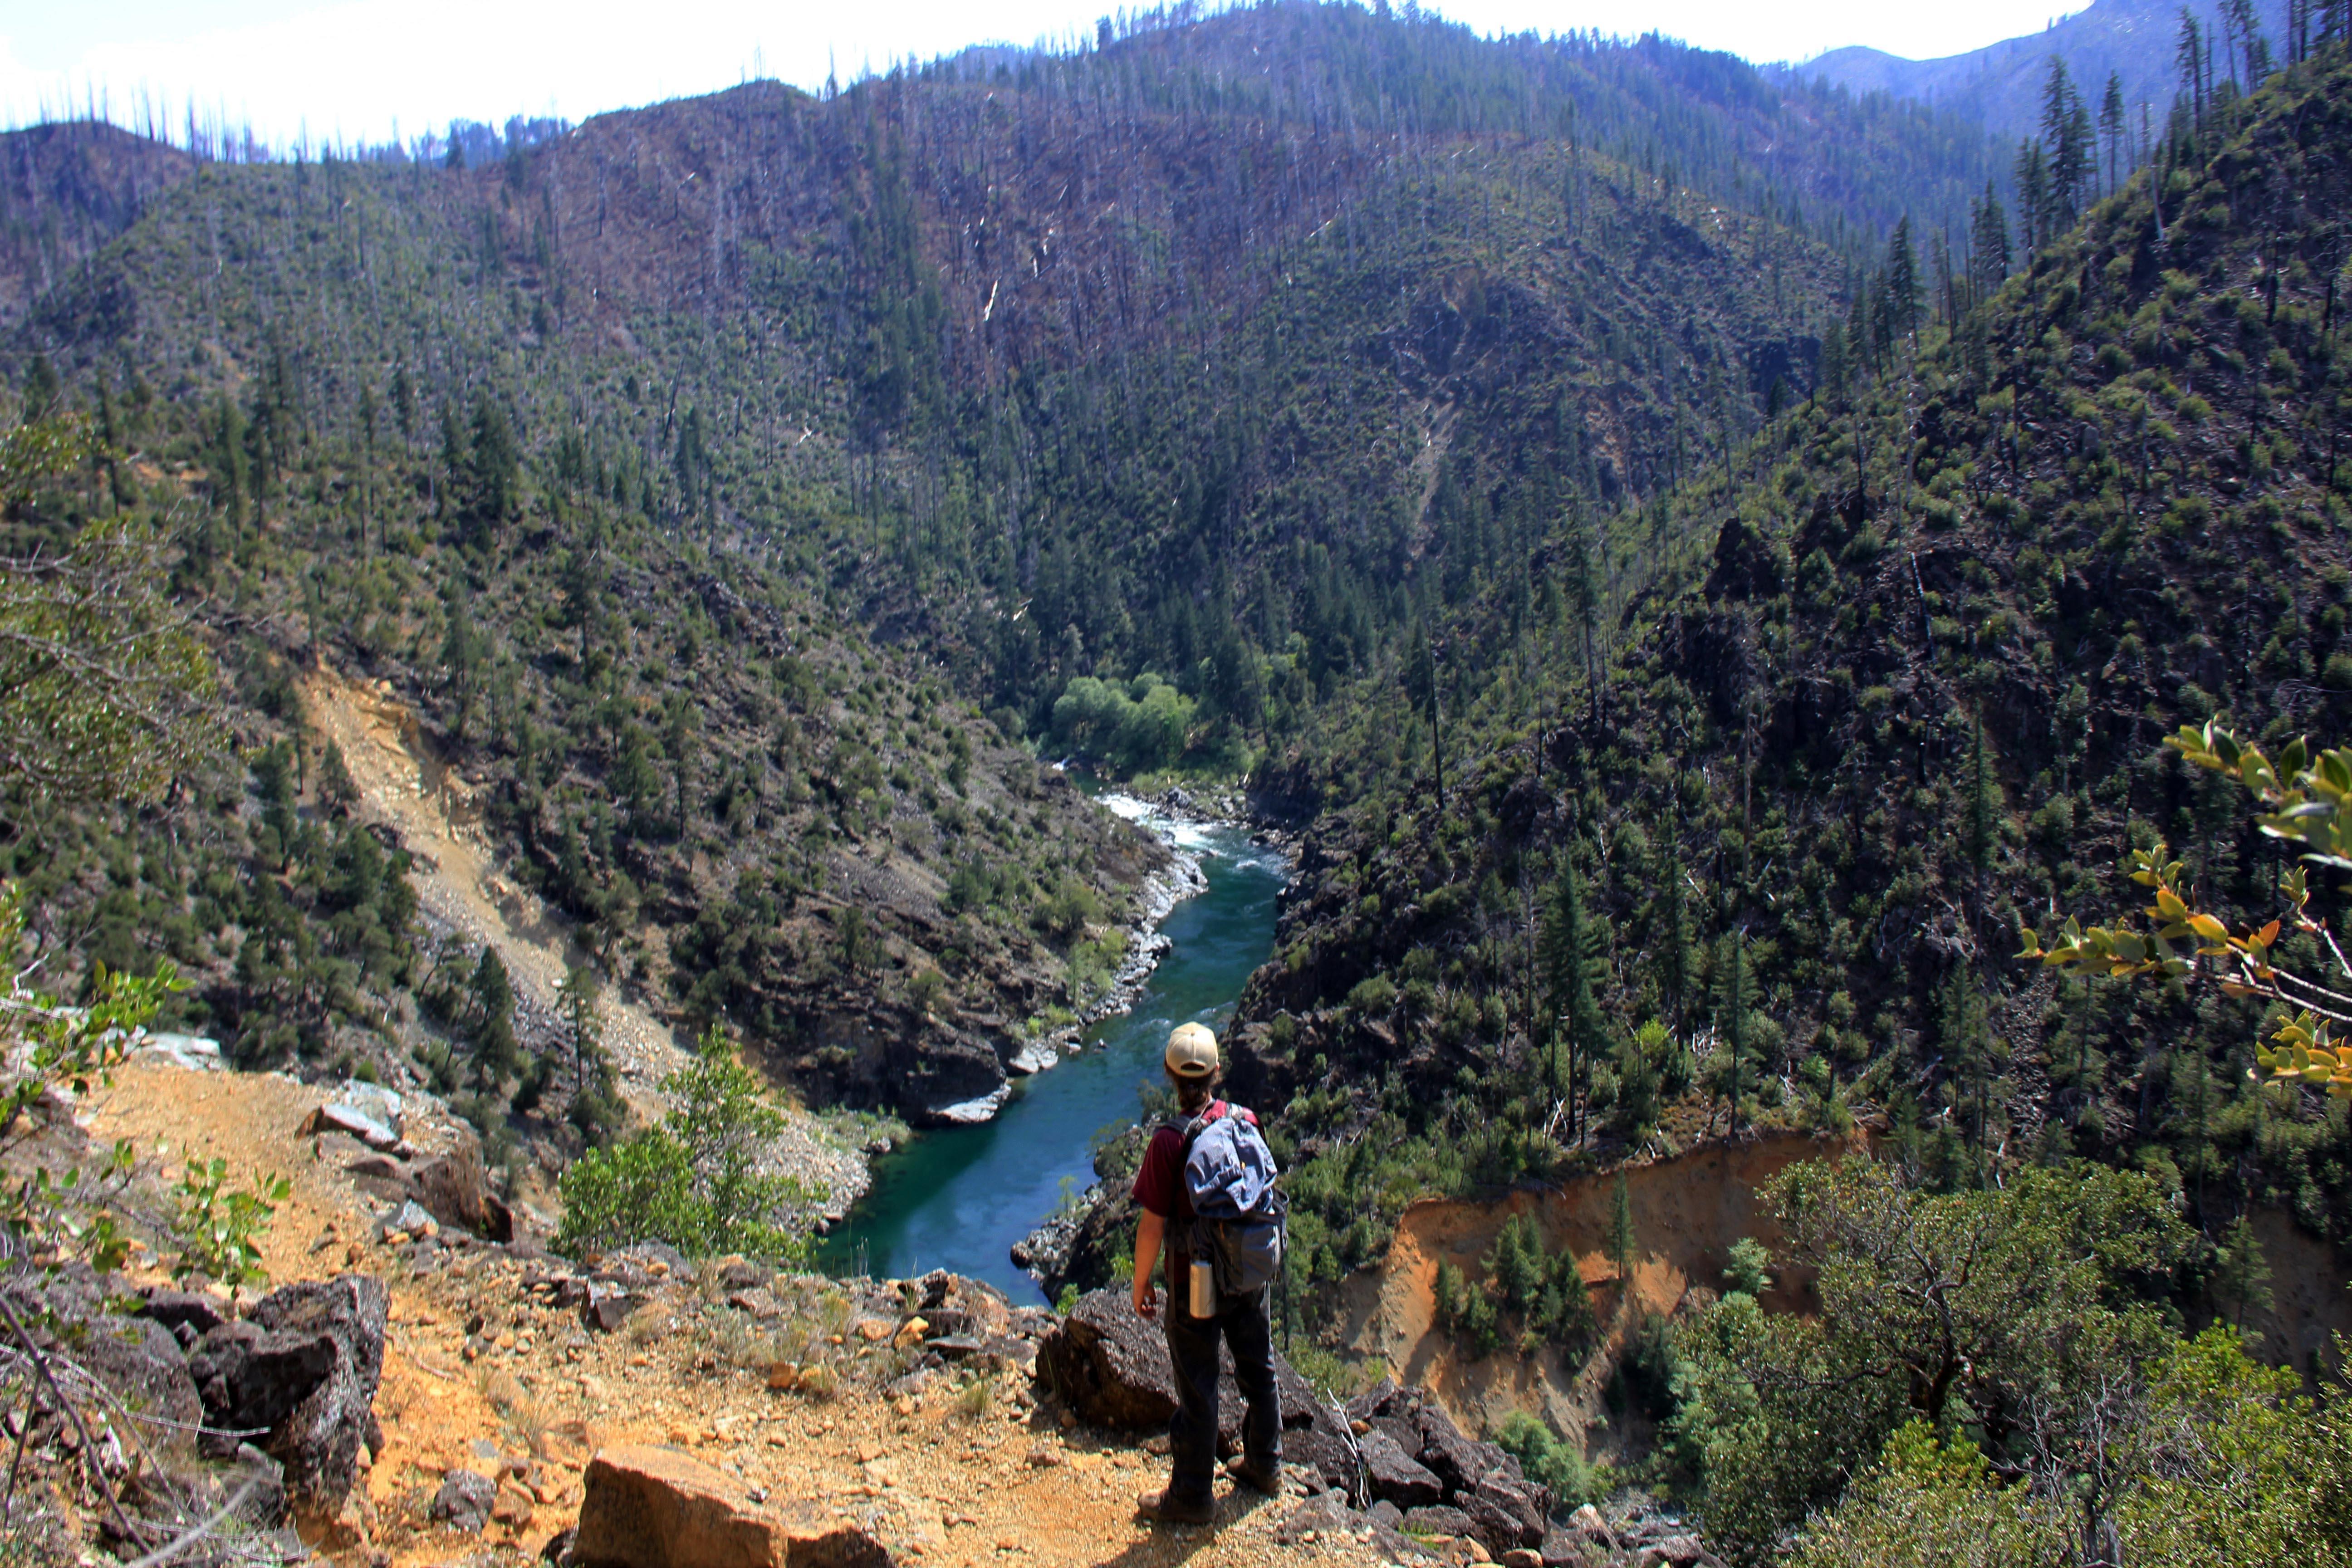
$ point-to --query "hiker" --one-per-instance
(1168, 1230)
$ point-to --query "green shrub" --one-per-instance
(693, 1180)
(1546, 1461)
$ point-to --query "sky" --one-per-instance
(369, 70)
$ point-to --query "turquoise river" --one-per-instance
(959, 1197)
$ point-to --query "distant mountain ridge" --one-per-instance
(2000, 84)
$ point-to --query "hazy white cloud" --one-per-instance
(355, 69)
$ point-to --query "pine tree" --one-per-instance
(2034, 210)
(2242, 1275)
(2189, 56)
(495, 1054)
(1570, 957)
(583, 1025)
(2111, 125)
(1672, 925)
(1621, 1235)
(1962, 1037)
(1731, 964)
(1902, 282)
(2066, 135)
(1989, 258)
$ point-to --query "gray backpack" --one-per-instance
(1238, 1213)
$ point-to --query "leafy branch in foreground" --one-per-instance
(46, 1045)
(2307, 800)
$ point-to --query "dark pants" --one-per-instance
(1193, 1346)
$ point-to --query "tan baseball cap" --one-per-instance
(1192, 1051)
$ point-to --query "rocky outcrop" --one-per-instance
(463, 1501)
(301, 1368)
(1113, 1369)
(70, 1313)
(1445, 1483)
(654, 1507)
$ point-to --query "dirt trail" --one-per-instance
(437, 814)
(939, 1481)
(1687, 1211)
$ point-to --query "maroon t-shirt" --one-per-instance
(1160, 1184)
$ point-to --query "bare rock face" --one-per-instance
(653, 1508)
(1449, 1484)
(1114, 1369)
(1395, 1475)
(301, 1367)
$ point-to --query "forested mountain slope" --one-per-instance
(1753, 843)
(689, 471)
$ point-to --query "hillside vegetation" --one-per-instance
(1697, 580)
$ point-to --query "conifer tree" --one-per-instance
(1673, 949)
(1568, 954)
(2189, 56)
(1984, 808)
(584, 1027)
(2034, 206)
(1732, 964)
(2111, 125)
(1620, 1234)
(495, 1054)
(2242, 1275)
(1902, 286)
(1967, 1049)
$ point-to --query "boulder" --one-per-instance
(70, 1312)
(410, 1219)
(456, 1190)
(1393, 1473)
(1328, 1461)
(609, 1306)
(373, 1099)
(336, 1117)
(1113, 1370)
(1588, 1521)
(1438, 1520)
(1679, 1550)
(1373, 1402)
(465, 1501)
(653, 1508)
(301, 1370)
(740, 1273)
(954, 1306)
(1504, 1513)
(1317, 1517)
(1455, 1458)
(197, 1310)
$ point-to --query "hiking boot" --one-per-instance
(1170, 1508)
(1257, 1474)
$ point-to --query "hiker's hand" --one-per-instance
(1147, 1300)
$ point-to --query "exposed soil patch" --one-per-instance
(1688, 1211)
(405, 785)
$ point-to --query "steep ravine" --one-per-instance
(961, 1197)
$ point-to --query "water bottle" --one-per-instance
(1204, 1289)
